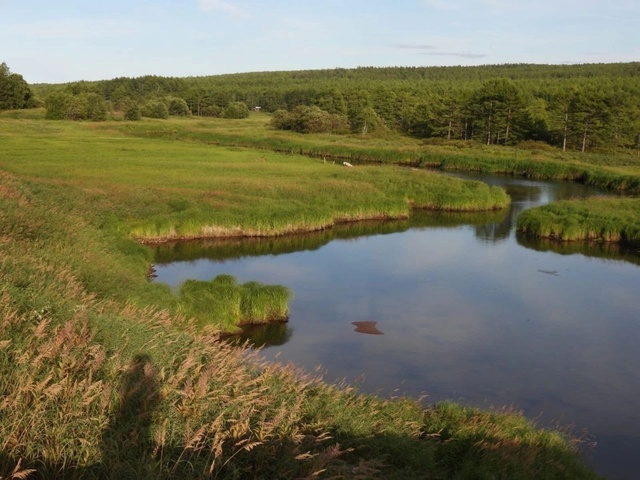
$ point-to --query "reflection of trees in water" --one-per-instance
(263, 336)
(603, 250)
(233, 248)
(522, 198)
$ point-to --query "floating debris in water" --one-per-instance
(367, 327)
(550, 272)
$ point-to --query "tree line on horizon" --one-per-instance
(576, 107)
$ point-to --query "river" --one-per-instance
(464, 310)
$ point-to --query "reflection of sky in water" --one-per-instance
(467, 319)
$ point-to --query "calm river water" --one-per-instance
(467, 311)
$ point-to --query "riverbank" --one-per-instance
(602, 219)
(102, 375)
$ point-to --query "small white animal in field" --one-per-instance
(347, 164)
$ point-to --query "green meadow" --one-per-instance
(157, 189)
(617, 170)
(104, 374)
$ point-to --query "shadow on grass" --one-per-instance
(127, 438)
(128, 450)
(124, 443)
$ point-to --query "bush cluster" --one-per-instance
(236, 110)
(84, 106)
(305, 119)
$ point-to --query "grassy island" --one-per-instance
(596, 219)
(104, 374)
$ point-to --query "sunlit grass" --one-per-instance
(600, 219)
(225, 303)
(616, 170)
(156, 189)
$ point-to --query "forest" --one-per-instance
(588, 107)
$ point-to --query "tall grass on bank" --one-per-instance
(596, 219)
(225, 303)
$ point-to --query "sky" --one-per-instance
(67, 40)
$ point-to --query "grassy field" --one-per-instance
(620, 171)
(104, 375)
(157, 189)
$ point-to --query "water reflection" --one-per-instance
(234, 248)
(263, 336)
(602, 250)
(469, 312)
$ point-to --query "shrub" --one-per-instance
(211, 111)
(95, 108)
(155, 109)
(305, 119)
(132, 112)
(84, 106)
(179, 107)
(57, 105)
(236, 110)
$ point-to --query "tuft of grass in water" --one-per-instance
(264, 303)
(594, 219)
(225, 303)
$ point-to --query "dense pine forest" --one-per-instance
(590, 107)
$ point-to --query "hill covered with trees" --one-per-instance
(575, 107)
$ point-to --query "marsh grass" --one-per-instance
(225, 303)
(595, 219)
(156, 188)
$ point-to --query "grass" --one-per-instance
(596, 219)
(227, 304)
(614, 170)
(157, 189)
(102, 376)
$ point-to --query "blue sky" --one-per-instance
(66, 40)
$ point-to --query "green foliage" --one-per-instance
(57, 105)
(132, 112)
(304, 119)
(83, 106)
(227, 305)
(236, 110)
(155, 109)
(574, 107)
(599, 219)
(211, 111)
(96, 108)
(14, 90)
(178, 107)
